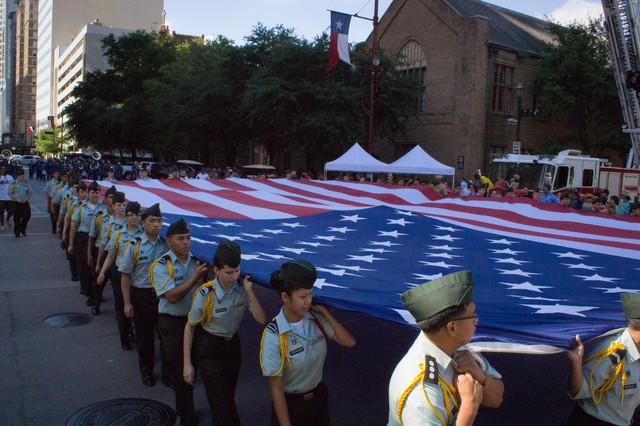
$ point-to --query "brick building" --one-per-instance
(469, 56)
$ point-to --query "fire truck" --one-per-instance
(569, 169)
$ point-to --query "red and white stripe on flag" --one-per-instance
(339, 44)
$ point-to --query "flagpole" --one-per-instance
(375, 61)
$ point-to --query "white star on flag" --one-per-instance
(617, 290)
(338, 24)
(439, 264)
(321, 282)
(444, 247)
(316, 245)
(274, 231)
(394, 234)
(510, 260)
(379, 250)
(225, 224)
(518, 272)
(293, 225)
(328, 238)
(353, 268)
(444, 238)
(274, 256)
(502, 241)
(201, 241)
(337, 272)
(342, 230)
(596, 277)
(370, 258)
(297, 251)
(526, 286)
(506, 251)
(445, 228)
(228, 237)
(404, 212)
(383, 243)
(581, 266)
(199, 226)
(561, 309)
(401, 222)
(249, 257)
(442, 255)
(355, 218)
(406, 315)
(570, 255)
(424, 277)
(245, 234)
(542, 299)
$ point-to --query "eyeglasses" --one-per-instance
(473, 317)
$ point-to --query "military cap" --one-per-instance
(94, 186)
(180, 226)
(119, 197)
(229, 253)
(19, 171)
(132, 207)
(154, 210)
(297, 271)
(430, 298)
(631, 304)
(82, 185)
(75, 182)
(634, 206)
(110, 191)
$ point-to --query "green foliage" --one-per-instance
(196, 100)
(577, 87)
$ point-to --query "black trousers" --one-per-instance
(21, 216)
(145, 311)
(80, 253)
(73, 266)
(54, 223)
(171, 330)
(5, 205)
(307, 409)
(219, 366)
(579, 418)
(124, 323)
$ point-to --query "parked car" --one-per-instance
(25, 159)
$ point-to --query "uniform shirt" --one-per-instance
(65, 204)
(63, 192)
(49, 185)
(610, 408)
(119, 239)
(416, 410)
(148, 252)
(228, 308)
(163, 282)
(83, 214)
(5, 182)
(306, 352)
(20, 190)
(109, 227)
(54, 191)
(100, 216)
(72, 205)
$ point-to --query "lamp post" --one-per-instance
(375, 62)
(519, 96)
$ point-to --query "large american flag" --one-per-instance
(543, 273)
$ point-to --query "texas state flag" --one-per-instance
(339, 47)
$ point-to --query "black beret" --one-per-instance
(75, 181)
(154, 210)
(20, 171)
(94, 186)
(298, 272)
(82, 185)
(110, 191)
(119, 197)
(180, 226)
(132, 207)
(228, 252)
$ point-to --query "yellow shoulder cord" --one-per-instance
(80, 215)
(207, 308)
(284, 348)
(117, 242)
(169, 271)
(135, 254)
(448, 391)
(618, 370)
(109, 226)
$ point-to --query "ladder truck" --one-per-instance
(623, 29)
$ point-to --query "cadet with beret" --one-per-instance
(423, 388)
(218, 308)
(65, 194)
(174, 277)
(20, 192)
(62, 189)
(115, 248)
(294, 346)
(76, 200)
(49, 187)
(140, 299)
(607, 383)
(79, 236)
(100, 216)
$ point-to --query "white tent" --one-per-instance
(356, 160)
(417, 161)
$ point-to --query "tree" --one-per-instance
(576, 86)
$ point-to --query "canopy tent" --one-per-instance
(417, 161)
(356, 160)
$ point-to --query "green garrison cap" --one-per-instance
(119, 197)
(426, 300)
(94, 186)
(110, 191)
(82, 185)
(154, 210)
(631, 304)
(229, 253)
(132, 207)
(298, 271)
(180, 226)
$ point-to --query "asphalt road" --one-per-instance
(47, 374)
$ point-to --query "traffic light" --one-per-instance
(534, 112)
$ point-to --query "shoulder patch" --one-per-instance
(206, 289)
(273, 327)
(617, 356)
(430, 370)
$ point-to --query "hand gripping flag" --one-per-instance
(543, 273)
(339, 47)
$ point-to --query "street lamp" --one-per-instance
(519, 96)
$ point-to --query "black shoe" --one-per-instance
(148, 381)
(17, 235)
(95, 311)
(24, 234)
(168, 382)
(89, 301)
(126, 346)
(132, 337)
(75, 278)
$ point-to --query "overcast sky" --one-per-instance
(235, 19)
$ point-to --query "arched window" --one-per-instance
(414, 63)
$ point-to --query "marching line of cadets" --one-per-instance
(159, 285)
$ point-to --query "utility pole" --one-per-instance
(375, 62)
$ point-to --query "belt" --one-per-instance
(169, 316)
(83, 233)
(304, 396)
(219, 338)
(149, 289)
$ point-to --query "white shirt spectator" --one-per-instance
(4, 187)
(202, 175)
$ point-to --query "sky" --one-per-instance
(236, 18)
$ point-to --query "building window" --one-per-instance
(414, 63)
(503, 90)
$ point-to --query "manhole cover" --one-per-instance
(124, 411)
(67, 320)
